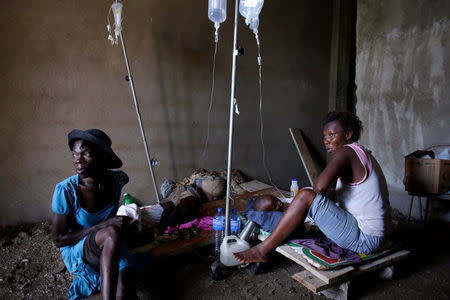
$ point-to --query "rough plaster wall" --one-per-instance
(402, 78)
(59, 72)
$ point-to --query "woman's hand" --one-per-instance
(63, 237)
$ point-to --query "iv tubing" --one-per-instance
(144, 139)
(230, 132)
(261, 118)
(211, 98)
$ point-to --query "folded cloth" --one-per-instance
(203, 223)
(266, 219)
(128, 210)
(323, 245)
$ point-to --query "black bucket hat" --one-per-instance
(99, 139)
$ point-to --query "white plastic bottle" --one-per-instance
(235, 223)
(294, 188)
(219, 230)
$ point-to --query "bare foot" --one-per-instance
(251, 255)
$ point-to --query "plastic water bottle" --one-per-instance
(294, 188)
(219, 230)
(235, 223)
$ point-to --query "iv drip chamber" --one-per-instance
(217, 11)
(254, 23)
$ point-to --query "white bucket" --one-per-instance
(231, 244)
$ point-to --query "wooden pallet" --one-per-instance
(316, 284)
(336, 280)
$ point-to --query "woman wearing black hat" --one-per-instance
(84, 224)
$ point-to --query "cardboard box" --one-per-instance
(426, 176)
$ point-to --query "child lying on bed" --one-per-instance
(267, 203)
(264, 210)
(170, 214)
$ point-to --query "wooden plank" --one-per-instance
(312, 170)
(329, 276)
(382, 262)
(316, 284)
(310, 281)
(205, 237)
(238, 203)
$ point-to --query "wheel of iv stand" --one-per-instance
(257, 268)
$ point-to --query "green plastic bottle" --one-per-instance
(127, 199)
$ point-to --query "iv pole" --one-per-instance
(144, 139)
(230, 131)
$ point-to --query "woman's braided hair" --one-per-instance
(348, 120)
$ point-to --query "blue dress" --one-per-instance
(65, 202)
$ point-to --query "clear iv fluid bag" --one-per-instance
(217, 11)
(116, 8)
(250, 10)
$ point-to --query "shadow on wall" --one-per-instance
(164, 101)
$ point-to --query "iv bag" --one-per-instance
(116, 8)
(250, 10)
(217, 11)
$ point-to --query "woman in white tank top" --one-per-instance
(362, 222)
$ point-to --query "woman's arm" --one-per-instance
(63, 237)
(340, 164)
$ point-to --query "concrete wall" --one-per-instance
(59, 72)
(402, 78)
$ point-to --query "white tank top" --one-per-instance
(367, 200)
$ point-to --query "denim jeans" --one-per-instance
(341, 226)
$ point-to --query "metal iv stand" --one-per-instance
(144, 139)
(232, 104)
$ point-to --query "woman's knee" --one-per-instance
(305, 196)
(108, 234)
